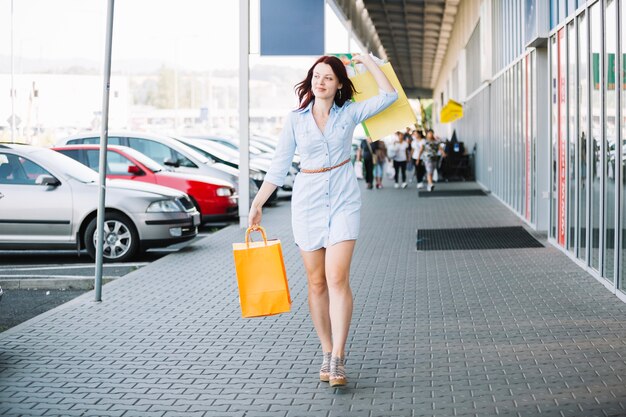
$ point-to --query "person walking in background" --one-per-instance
(429, 153)
(407, 134)
(400, 149)
(380, 151)
(408, 139)
(417, 144)
(366, 154)
(326, 199)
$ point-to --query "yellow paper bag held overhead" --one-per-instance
(396, 117)
(261, 277)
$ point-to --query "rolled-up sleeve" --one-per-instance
(363, 110)
(284, 154)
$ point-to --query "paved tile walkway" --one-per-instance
(446, 333)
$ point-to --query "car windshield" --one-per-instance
(192, 151)
(68, 166)
(151, 164)
(217, 149)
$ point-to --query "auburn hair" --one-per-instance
(304, 90)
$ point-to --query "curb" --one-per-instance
(51, 284)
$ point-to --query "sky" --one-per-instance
(192, 34)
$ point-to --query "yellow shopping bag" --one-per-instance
(261, 277)
(396, 117)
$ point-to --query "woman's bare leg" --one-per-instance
(338, 258)
(314, 263)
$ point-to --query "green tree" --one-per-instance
(164, 97)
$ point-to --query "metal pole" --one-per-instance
(103, 148)
(244, 110)
(12, 76)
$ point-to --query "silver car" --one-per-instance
(48, 201)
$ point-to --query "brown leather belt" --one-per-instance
(320, 170)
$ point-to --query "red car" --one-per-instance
(215, 199)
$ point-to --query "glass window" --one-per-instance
(609, 139)
(153, 150)
(159, 152)
(72, 153)
(525, 140)
(94, 141)
(562, 11)
(622, 153)
(571, 7)
(595, 28)
(519, 154)
(17, 170)
(505, 135)
(183, 161)
(572, 115)
(583, 123)
(562, 139)
(116, 163)
(553, 14)
(533, 144)
(92, 159)
(554, 150)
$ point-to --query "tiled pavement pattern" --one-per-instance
(520, 332)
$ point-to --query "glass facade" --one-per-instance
(589, 81)
(507, 146)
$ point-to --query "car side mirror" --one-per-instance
(48, 180)
(135, 170)
(171, 163)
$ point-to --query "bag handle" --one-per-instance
(255, 229)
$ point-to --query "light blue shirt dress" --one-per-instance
(325, 207)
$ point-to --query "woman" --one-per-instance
(326, 199)
(418, 143)
(400, 149)
(429, 153)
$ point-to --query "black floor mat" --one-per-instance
(476, 238)
(452, 193)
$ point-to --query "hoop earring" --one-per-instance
(339, 94)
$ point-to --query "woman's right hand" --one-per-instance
(254, 218)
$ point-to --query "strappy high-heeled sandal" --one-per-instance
(325, 369)
(337, 372)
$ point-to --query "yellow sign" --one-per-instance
(451, 111)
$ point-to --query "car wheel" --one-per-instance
(121, 241)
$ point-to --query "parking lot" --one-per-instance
(37, 281)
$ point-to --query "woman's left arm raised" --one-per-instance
(365, 109)
(377, 73)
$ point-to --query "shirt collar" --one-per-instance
(334, 107)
